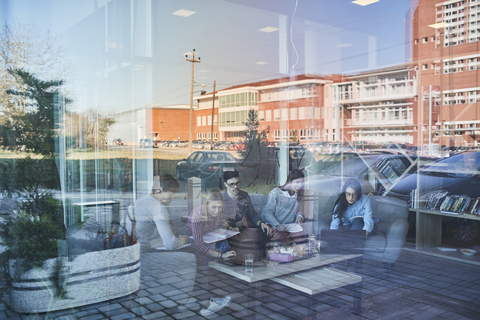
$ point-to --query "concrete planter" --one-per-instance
(92, 277)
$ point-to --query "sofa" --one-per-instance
(392, 213)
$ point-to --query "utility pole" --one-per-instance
(191, 100)
(213, 114)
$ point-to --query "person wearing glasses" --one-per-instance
(282, 205)
(352, 210)
(237, 205)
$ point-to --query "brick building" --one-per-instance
(153, 122)
(446, 39)
(292, 107)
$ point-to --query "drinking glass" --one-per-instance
(249, 262)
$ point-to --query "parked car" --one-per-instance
(332, 159)
(164, 143)
(207, 145)
(182, 144)
(117, 142)
(458, 174)
(198, 144)
(207, 165)
(147, 143)
(173, 144)
(237, 146)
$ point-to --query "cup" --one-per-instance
(249, 262)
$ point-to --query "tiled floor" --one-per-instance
(420, 287)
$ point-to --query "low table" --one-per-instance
(297, 274)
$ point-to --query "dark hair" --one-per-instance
(168, 183)
(342, 204)
(227, 175)
(293, 175)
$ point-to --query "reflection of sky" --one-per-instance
(121, 65)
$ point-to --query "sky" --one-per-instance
(125, 54)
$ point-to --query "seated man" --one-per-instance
(237, 205)
(152, 218)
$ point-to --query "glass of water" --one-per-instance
(249, 262)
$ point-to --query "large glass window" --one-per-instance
(341, 155)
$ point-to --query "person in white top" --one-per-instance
(152, 219)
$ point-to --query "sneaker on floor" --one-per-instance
(216, 304)
(191, 304)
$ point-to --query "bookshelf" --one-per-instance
(430, 209)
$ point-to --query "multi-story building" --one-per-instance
(446, 39)
(293, 108)
(378, 105)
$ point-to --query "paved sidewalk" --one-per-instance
(420, 287)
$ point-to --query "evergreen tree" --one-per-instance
(34, 127)
(256, 153)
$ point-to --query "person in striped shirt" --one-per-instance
(207, 218)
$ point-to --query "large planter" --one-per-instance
(91, 277)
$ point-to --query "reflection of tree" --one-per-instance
(90, 128)
(23, 47)
(33, 127)
(255, 156)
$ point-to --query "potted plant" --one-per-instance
(37, 269)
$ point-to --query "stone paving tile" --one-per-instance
(155, 315)
(93, 317)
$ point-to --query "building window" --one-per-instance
(215, 120)
(204, 136)
(425, 66)
(261, 115)
(268, 115)
(276, 135)
(199, 121)
(209, 120)
(293, 114)
(416, 41)
(215, 135)
(204, 121)
(209, 136)
(301, 112)
(276, 115)
(284, 114)
(199, 136)
(425, 39)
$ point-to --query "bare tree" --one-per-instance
(23, 47)
(89, 128)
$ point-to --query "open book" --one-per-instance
(218, 235)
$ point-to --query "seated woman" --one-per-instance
(207, 218)
(353, 210)
(282, 205)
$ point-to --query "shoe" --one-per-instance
(191, 304)
(216, 304)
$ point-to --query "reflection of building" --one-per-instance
(377, 105)
(153, 122)
(446, 38)
(293, 108)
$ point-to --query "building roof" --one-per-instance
(394, 68)
(268, 84)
